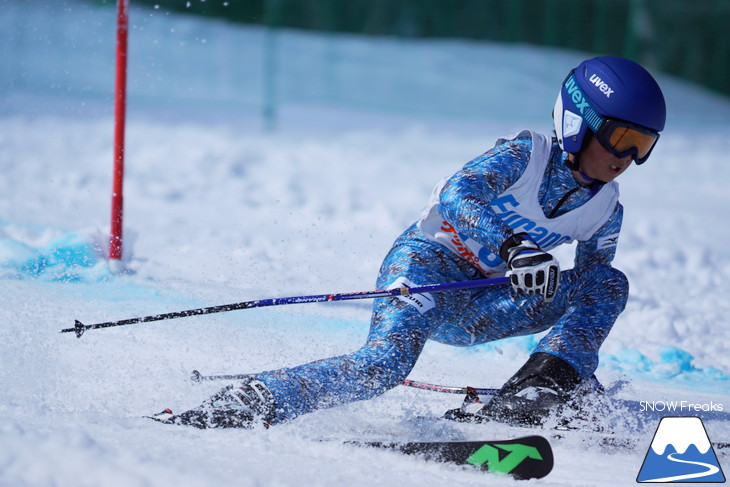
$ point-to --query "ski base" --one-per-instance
(529, 457)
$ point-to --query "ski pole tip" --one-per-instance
(79, 328)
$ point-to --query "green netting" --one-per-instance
(686, 38)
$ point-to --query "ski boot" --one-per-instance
(242, 405)
(541, 388)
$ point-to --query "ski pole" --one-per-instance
(196, 376)
(79, 328)
(449, 390)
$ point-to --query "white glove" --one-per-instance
(530, 269)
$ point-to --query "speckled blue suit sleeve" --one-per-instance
(466, 196)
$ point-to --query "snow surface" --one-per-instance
(218, 210)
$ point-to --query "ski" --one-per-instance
(212, 419)
(588, 429)
(586, 435)
(528, 457)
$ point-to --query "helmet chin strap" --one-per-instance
(592, 183)
(573, 163)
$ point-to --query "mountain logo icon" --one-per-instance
(681, 451)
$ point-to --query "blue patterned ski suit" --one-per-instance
(591, 296)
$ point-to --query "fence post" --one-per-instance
(272, 12)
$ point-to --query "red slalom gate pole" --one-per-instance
(120, 101)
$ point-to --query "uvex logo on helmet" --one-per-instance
(602, 85)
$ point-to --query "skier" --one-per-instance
(499, 215)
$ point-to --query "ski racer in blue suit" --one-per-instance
(499, 215)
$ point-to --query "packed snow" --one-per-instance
(239, 188)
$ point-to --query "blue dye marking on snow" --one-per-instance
(27, 252)
(527, 343)
(673, 367)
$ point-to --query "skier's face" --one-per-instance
(598, 163)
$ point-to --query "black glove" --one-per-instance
(530, 269)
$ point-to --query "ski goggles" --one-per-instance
(623, 139)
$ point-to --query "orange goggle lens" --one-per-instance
(624, 139)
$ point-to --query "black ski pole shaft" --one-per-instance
(79, 328)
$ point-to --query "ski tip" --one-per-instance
(196, 376)
(164, 416)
